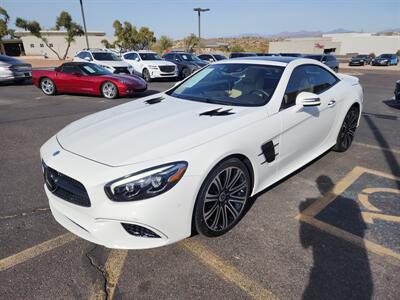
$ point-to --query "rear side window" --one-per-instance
(69, 69)
(307, 78)
(131, 56)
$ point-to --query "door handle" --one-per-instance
(332, 103)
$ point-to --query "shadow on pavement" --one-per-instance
(392, 103)
(336, 274)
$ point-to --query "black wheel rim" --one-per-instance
(348, 128)
(225, 199)
(185, 73)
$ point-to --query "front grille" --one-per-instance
(139, 231)
(65, 187)
(167, 69)
(119, 70)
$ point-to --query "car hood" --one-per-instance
(138, 131)
(132, 79)
(159, 62)
(113, 63)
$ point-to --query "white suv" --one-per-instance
(105, 59)
(150, 65)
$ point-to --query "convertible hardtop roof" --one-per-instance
(281, 59)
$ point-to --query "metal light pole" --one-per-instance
(199, 11)
(84, 25)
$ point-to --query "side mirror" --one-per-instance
(211, 60)
(308, 99)
(87, 58)
(137, 58)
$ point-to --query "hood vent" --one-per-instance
(217, 112)
(154, 100)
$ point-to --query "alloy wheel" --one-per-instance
(225, 199)
(109, 90)
(348, 129)
(47, 86)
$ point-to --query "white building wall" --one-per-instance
(35, 47)
(363, 43)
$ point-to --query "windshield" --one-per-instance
(231, 84)
(105, 56)
(150, 56)
(189, 57)
(385, 56)
(94, 70)
(361, 56)
(219, 57)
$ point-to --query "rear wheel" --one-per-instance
(47, 86)
(222, 198)
(347, 131)
(109, 90)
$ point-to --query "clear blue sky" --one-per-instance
(176, 18)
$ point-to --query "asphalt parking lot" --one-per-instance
(330, 231)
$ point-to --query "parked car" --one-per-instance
(105, 59)
(12, 69)
(187, 62)
(211, 57)
(327, 59)
(385, 60)
(242, 54)
(87, 78)
(267, 54)
(397, 90)
(143, 174)
(360, 60)
(150, 65)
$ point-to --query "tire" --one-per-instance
(47, 86)
(109, 90)
(146, 75)
(347, 130)
(185, 73)
(222, 198)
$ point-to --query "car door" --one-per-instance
(70, 79)
(306, 130)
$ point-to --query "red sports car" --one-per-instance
(87, 78)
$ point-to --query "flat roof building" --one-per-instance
(56, 39)
(339, 44)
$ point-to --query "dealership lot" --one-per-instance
(328, 231)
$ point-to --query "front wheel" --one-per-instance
(347, 131)
(47, 86)
(222, 198)
(146, 75)
(185, 73)
(109, 90)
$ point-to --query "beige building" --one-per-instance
(35, 47)
(339, 44)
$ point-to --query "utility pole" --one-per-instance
(84, 25)
(199, 11)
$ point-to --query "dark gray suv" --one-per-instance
(327, 59)
(187, 62)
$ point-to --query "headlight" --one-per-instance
(146, 184)
(153, 67)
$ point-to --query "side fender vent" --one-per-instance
(217, 112)
(268, 150)
(154, 100)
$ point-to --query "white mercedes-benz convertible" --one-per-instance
(145, 173)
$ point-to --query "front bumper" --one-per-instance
(168, 215)
(128, 90)
(380, 63)
(159, 74)
(357, 63)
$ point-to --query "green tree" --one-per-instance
(4, 31)
(372, 55)
(190, 42)
(163, 43)
(145, 38)
(236, 48)
(64, 21)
